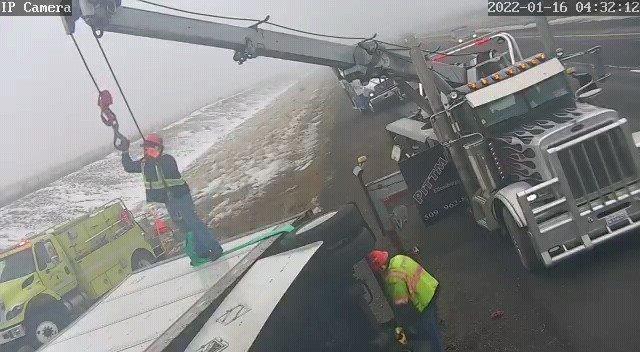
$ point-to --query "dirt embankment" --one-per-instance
(271, 167)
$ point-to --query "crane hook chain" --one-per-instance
(108, 117)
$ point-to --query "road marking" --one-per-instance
(635, 71)
(584, 35)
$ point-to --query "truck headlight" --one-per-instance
(15, 311)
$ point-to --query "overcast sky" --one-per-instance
(48, 106)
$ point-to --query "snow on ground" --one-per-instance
(286, 141)
(99, 182)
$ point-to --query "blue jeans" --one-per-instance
(428, 331)
(183, 213)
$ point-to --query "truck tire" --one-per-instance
(43, 326)
(142, 259)
(330, 227)
(521, 240)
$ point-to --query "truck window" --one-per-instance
(503, 109)
(51, 250)
(16, 265)
(522, 102)
(553, 88)
(45, 252)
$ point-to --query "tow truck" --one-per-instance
(533, 156)
(374, 95)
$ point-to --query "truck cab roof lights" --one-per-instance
(508, 72)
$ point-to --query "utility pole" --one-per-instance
(440, 120)
(547, 38)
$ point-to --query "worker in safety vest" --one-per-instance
(164, 184)
(412, 290)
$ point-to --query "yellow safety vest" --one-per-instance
(406, 280)
(161, 182)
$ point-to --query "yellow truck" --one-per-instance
(48, 279)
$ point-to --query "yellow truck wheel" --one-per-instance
(141, 259)
(43, 325)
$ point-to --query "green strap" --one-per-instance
(275, 232)
(197, 261)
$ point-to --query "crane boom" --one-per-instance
(364, 60)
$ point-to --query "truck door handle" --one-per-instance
(66, 270)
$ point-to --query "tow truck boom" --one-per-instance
(364, 60)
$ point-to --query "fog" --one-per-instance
(48, 103)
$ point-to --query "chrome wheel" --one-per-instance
(46, 331)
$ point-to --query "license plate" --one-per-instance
(12, 334)
(615, 219)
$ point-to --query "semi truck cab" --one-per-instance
(560, 174)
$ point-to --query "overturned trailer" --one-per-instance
(300, 284)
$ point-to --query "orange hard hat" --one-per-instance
(153, 140)
(377, 260)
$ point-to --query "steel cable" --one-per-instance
(124, 97)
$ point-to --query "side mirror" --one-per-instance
(583, 78)
(396, 153)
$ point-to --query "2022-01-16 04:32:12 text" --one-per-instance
(563, 8)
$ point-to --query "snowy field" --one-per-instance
(104, 180)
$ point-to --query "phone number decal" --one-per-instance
(563, 8)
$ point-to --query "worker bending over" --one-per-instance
(412, 290)
(164, 184)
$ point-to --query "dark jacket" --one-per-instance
(169, 169)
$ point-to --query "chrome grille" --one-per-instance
(598, 166)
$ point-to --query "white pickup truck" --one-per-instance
(297, 285)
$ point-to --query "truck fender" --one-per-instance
(44, 299)
(508, 197)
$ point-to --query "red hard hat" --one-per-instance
(153, 140)
(377, 260)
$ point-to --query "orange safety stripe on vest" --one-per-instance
(412, 282)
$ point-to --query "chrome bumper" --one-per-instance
(559, 229)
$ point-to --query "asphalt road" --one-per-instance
(588, 303)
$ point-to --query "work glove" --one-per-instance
(120, 142)
(401, 336)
